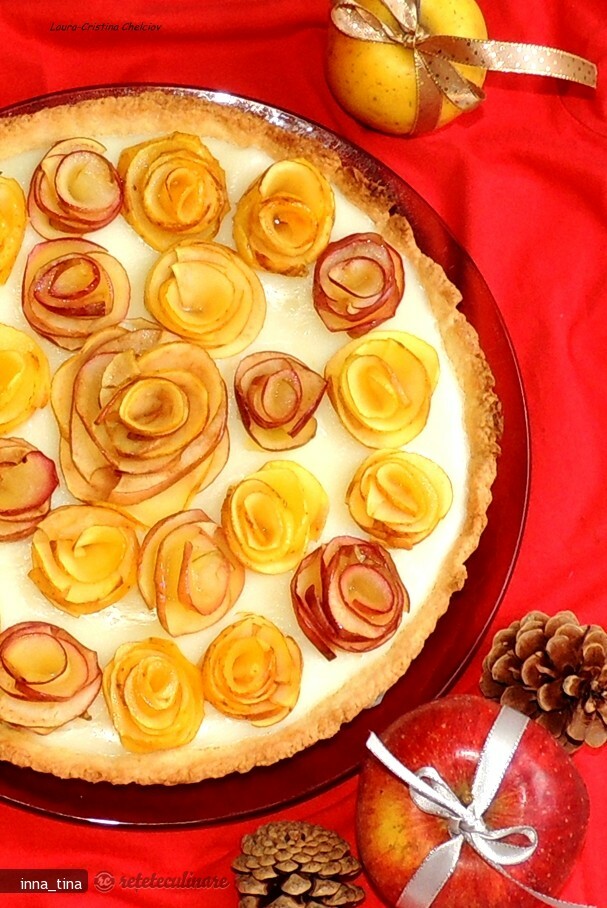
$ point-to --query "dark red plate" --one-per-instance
(454, 640)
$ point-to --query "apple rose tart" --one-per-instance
(277, 396)
(47, 677)
(13, 218)
(71, 288)
(84, 558)
(190, 506)
(253, 671)
(272, 515)
(28, 479)
(399, 497)
(207, 293)
(75, 189)
(174, 189)
(188, 573)
(154, 695)
(348, 596)
(142, 417)
(284, 220)
(25, 378)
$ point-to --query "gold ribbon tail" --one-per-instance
(512, 57)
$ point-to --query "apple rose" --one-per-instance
(398, 497)
(174, 189)
(28, 479)
(13, 218)
(47, 677)
(277, 396)
(284, 220)
(154, 695)
(71, 288)
(25, 378)
(358, 283)
(253, 671)
(207, 293)
(188, 573)
(74, 190)
(272, 515)
(142, 415)
(381, 387)
(84, 558)
(348, 595)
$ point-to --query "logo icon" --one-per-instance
(104, 881)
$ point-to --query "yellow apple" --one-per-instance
(376, 83)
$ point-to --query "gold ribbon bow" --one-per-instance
(434, 55)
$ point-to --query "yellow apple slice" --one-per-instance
(13, 218)
(205, 292)
(84, 558)
(381, 387)
(174, 189)
(284, 220)
(252, 671)
(399, 497)
(154, 695)
(24, 378)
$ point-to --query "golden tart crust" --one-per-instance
(158, 112)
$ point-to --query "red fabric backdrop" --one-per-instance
(521, 184)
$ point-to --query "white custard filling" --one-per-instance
(293, 326)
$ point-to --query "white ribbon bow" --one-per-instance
(431, 794)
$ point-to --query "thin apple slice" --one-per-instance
(252, 671)
(205, 292)
(154, 695)
(28, 479)
(399, 497)
(174, 189)
(140, 412)
(24, 378)
(277, 396)
(72, 288)
(381, 387)
(270, 517)
(13, 218)
(348, 596)
(358, 283)
(47, 677)
(187, 572)
(84, 558)
(284, 220)
(74, 190)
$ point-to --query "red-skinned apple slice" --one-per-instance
(348, 596)
(47, 677)
(28, 479)
(72, 288)
(74, 190)
(358, 283)
(188, 573)
(277, 396)
(541, 788)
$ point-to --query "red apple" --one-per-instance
(541, 788)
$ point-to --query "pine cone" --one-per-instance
(553, 670)
(290, 864)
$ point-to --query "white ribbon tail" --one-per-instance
(431, 876)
